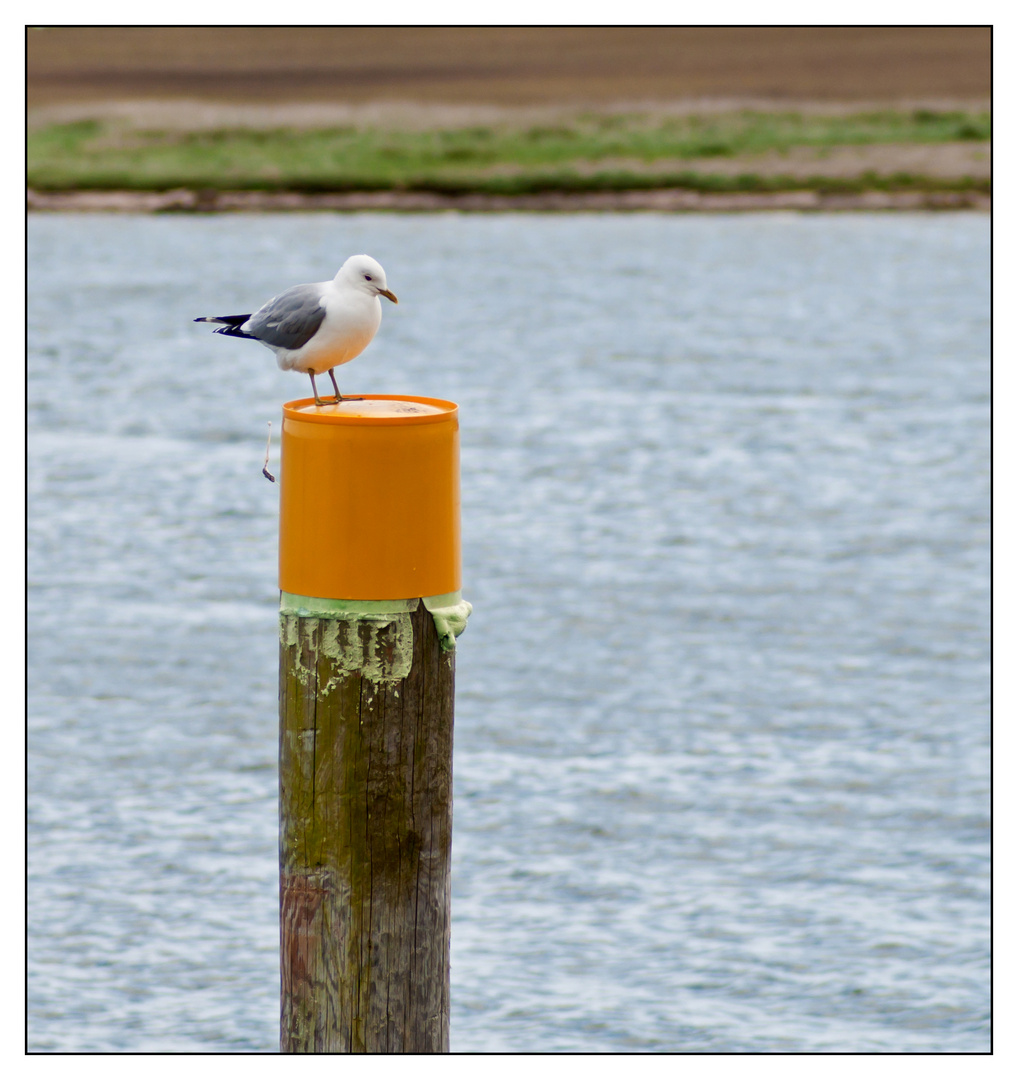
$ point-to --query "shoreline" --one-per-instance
(662, 200)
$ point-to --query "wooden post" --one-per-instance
(370, 607)
(365, 833)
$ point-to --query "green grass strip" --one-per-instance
(588, 152)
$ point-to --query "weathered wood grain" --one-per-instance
(365, 816)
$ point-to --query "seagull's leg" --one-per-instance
(318, 400)
(339, 396)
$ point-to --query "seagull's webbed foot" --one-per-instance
(320, 403)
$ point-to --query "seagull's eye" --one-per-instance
(367, 277)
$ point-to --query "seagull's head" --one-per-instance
(367, 274)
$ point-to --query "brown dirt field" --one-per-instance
(507, 66)
(183, 114)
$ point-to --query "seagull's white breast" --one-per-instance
(352, 318)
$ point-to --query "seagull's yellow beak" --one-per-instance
(388, 295)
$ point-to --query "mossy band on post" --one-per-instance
(449, 611)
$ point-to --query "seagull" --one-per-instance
(315, 328)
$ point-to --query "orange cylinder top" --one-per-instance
(370, 498)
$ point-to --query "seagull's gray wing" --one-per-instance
(290, 319)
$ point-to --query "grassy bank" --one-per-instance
(583, 152)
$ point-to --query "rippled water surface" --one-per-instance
(721, 768)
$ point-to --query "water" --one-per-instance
(721, 769)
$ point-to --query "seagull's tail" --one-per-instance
(231, 324)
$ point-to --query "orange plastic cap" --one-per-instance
(370, 498)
